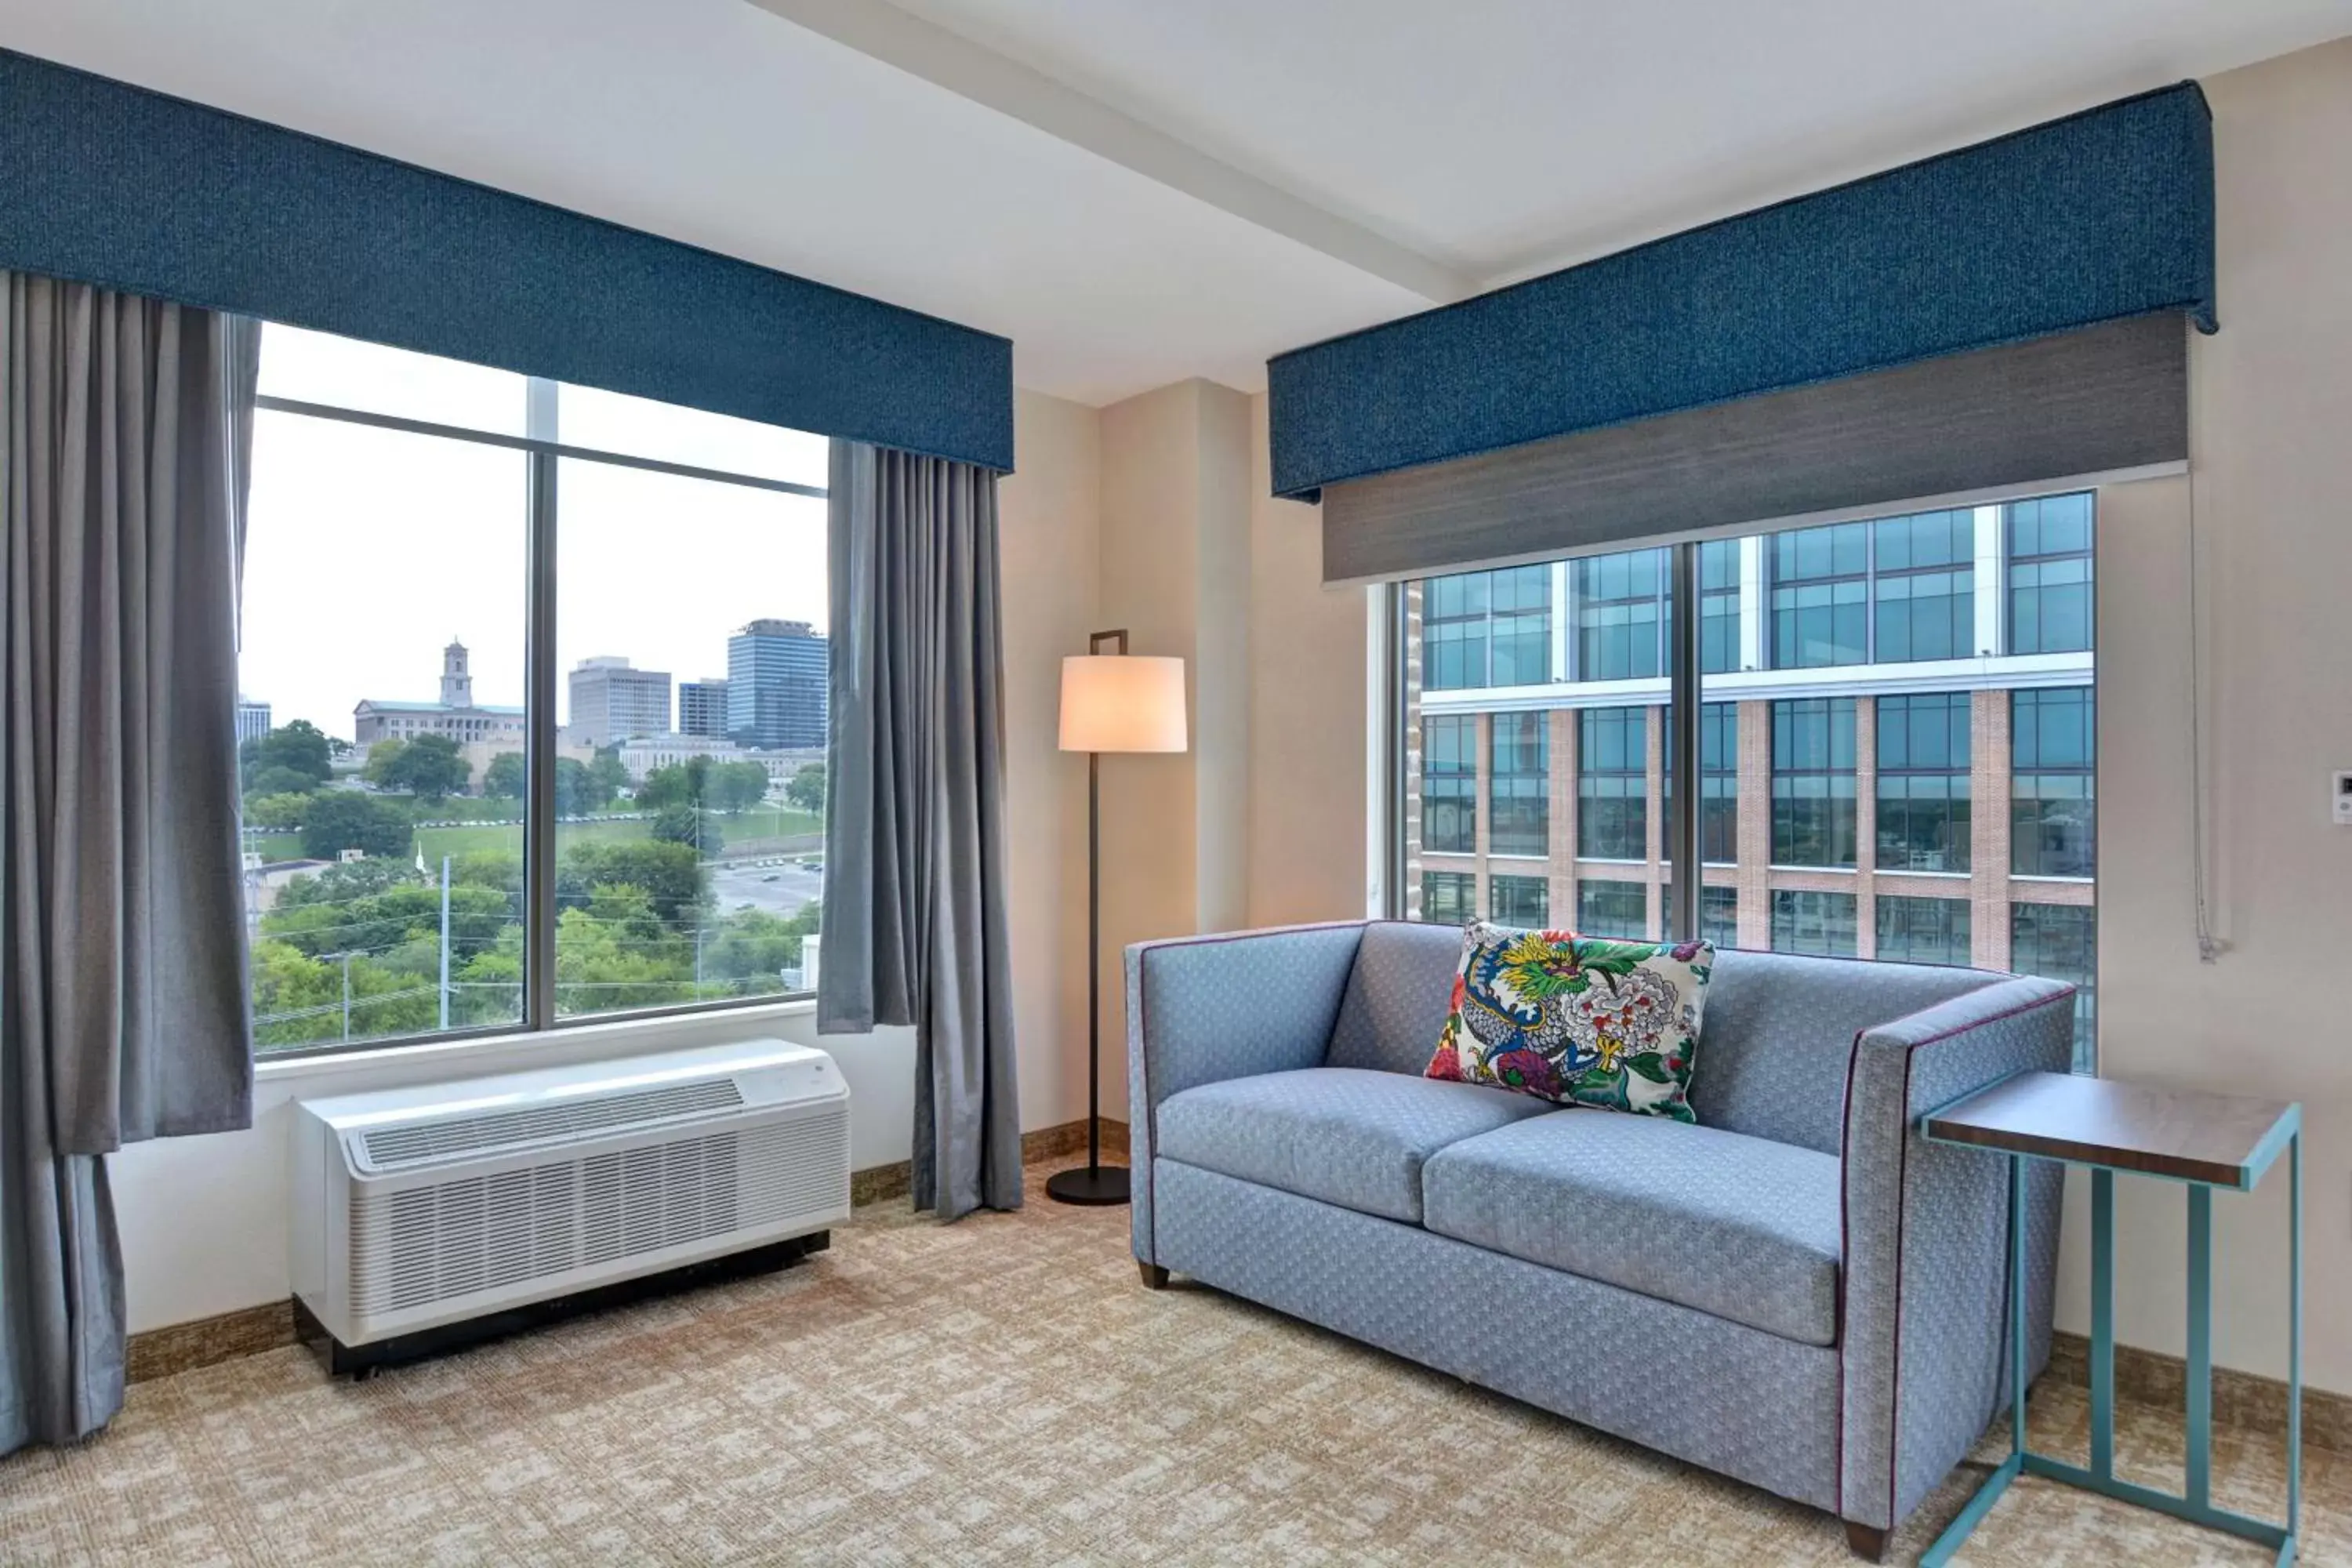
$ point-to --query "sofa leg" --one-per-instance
(1867, 1542)
(1154, 1277)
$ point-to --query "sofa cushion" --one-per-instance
(1578, 1019)
(1738, 1227)
(1348, 1136)
(1396, 999)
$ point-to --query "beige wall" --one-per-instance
(2272, 486)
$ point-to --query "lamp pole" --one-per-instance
(1094, 1185)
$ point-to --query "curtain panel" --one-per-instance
(914, 924)
(123, 1014)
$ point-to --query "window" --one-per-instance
(1519, 785)
(1718, 916)
(1718, 780)
(1718, 600)
(1612, 909)
(386, 613)
(1619, 616)
(1488, 628)
(1923, 782)
(1819, 923)
(1923, 931)
(1449, 784)
(1520, 902)
(2052, 827)
(1612, 784)
(2050, 595)
(2061, 942)
(1449, 898)
(1821, 582)
(1813, 782)
(1924, 585)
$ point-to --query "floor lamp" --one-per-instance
(1114, 701)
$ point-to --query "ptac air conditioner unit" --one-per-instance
(435, 1216)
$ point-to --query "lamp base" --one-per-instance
(1096, 1185)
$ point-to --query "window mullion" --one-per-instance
(539, 753)
(1682, 818)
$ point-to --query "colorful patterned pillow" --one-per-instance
(1579, 1020)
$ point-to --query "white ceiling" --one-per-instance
(1488, 138)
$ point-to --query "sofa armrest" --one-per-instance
(1922, 1339)
(1200, 1009)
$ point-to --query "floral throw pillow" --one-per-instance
(1579, 1020)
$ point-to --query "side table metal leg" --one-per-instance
(2102, 1323)
(2198, 1465)
(2016, 1304)
(2295, 1338)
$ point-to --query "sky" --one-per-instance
(369, 549)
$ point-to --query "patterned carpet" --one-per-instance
(1001, 1391)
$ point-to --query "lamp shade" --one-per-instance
(1122, 702)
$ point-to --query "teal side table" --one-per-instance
(2204, 1141)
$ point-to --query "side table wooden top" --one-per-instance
(2225, 1140)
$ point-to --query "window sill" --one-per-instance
(476, 1053)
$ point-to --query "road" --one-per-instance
(782, 889)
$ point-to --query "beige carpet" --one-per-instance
(997, 1391)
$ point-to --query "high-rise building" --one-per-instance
(1897, 742)
(702, 707)
(456, 715)
(252, 720)
(610, 701)
(776, 674)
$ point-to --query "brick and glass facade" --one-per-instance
(1885, 771)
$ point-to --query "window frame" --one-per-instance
(1909, 768)
(1634, 717)
(1510, 791)
(545, 453)
(1838, 724)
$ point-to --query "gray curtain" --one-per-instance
(125, 426)
(914, 929)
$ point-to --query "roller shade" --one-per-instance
(112, 185)
(2103, 400)
(2100, 216)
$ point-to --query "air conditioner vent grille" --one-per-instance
(420, 1246)
(459, 1137)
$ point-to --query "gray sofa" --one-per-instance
(1800, 1292)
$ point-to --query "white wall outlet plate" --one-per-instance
(2342, 797)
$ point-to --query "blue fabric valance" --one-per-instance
(107, 184)
(2103, 214)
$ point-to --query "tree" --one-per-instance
(676, 785)
(300, 746)
(684, 824)
(339, 884)
(806, 788)
(574, 787)
(737, 786)
(279, 779)
(608, 775)
(428, 767)
(341, 819)
(670, 874)
(507, 777)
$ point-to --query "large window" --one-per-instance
(1519, 785)
(2050, 601)
(1923, 931)
(1612, 784)
(2052, 827)
(390, 800)
(1449, 784)
(1923, 782)
(1822, 925)
(1882, 704)
(1813, 782)
(1612, 909)
(1821, 590)
(1923, 583)
(2061, 942)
